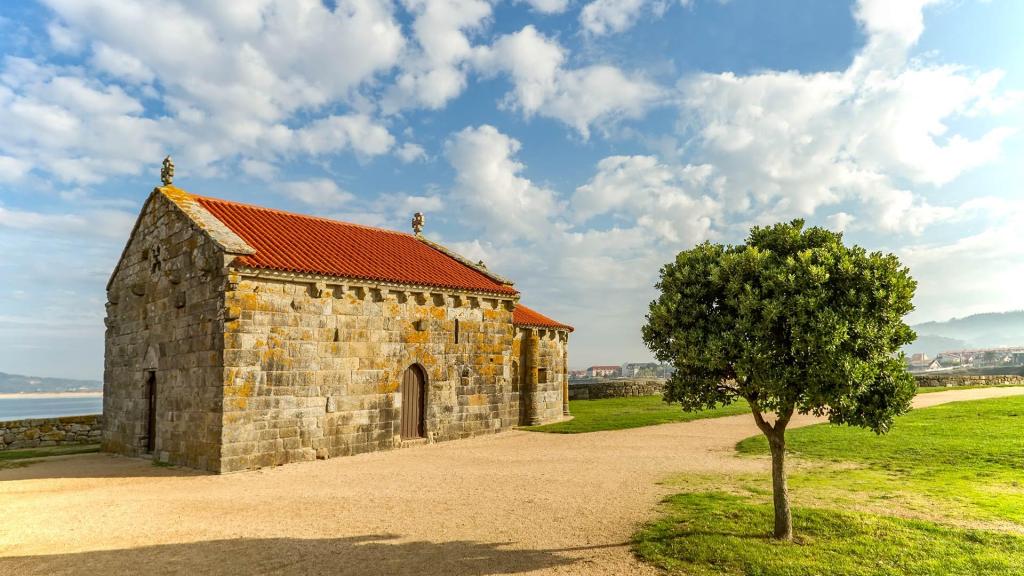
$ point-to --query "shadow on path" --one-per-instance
(90, 465)
(371, 555)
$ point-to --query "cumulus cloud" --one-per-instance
(319, 192)
(788, 143)
(488, 183)
(434, 71)
(668, 201)
(549, 6)
(228, 79)
(410, 152)
(92, 223)
(976, 273)
(76, 128)
(13, 169)
(120, 64)
(333, 133)
(603, 17)
(578, 97)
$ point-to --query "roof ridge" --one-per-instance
(301, 215)
(432, 244)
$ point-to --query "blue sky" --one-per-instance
(574, 146)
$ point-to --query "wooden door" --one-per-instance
(412, 403)
(150, 411)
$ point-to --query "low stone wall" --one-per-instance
(615, 389)
(61, 431)
(954, 379)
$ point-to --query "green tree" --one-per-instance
(793, 321)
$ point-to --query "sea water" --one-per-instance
(49, 407)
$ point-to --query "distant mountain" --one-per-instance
(989, 330)
(13, 383)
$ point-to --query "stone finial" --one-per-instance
(167, 171)
(417, 223)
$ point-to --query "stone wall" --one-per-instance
(313, 369)
(165, 317)
(960, 379)
(615, 389)
(61, 431)
(257, 368)
(543, 371)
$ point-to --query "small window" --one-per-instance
(542, 375)
(456, 331)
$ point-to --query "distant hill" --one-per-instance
(989, 330)
(13, 383)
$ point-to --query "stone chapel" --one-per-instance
(239, 337)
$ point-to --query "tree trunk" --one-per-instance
(780, 490)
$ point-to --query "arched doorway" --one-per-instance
(414, 383)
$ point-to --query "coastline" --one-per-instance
(39, 395)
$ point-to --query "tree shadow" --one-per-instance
(371, 555)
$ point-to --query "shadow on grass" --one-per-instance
(370, 555)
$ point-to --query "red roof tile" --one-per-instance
(524, 316)
(307, 244)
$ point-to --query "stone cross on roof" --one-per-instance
(417, 223)
(167, 172)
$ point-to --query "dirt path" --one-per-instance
(514, 503)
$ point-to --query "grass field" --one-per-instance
(17, 457)
(942, 494)
(637, 411)
(632, 412)
(717, 534)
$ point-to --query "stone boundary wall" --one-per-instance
(953, 379)
(615, 389)
(36, 432)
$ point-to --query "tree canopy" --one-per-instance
(790, 320)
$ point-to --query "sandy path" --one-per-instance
(513, 503)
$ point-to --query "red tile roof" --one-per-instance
(307, 244)
(523, 316)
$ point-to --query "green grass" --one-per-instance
(632, 412)
(931, 389)
(638, 411)
(964, 457)
(22, 458)
(9, 455)
(941, 494)
(721, 534)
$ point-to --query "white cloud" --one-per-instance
(410, 152)
(259, 169)
(609, 16)
(549, 6)
(669, 201)
(108, 224)
(120, 64)
(76, 128)
(334, 133)
(319, 192)
(579, 97)
(489, 184)
(435, 71)
(63, 38)
(892, 28)
(840, 221)
(229, 79)
(788, 143)
(12, 169)
(979, 272)
(602, 17)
